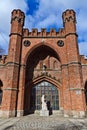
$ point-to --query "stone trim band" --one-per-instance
(71, 63)
(71, 89)
(11, 89)
(13, 63)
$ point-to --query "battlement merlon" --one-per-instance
(43, 32)
(3, 59)
(83, 59)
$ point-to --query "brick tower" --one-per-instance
(73, 66)
(9, 104)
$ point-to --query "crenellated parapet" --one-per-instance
(69, 21)
(43, 33)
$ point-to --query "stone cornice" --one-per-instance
(15, 34)
(71, 63)
(12, 63)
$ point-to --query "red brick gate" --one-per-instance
(34, 57)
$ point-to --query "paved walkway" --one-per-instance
(35, 122)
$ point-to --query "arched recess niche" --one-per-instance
(42, 57)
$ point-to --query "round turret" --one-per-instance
(69, 15)
(16, 33)
(18, 16)
(17, 21)
(69, 21)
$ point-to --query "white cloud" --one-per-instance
(83, 48)
(56, 7)
(50, 20)
(6, 7)
(49, 13)
(4, 38)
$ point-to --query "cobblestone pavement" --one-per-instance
(35, 122)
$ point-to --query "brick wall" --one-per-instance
(29, 52)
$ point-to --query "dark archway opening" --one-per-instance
(42, 57)
(1, 91)
(86, 92)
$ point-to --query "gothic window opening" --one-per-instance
(1, 91)
(47, 89)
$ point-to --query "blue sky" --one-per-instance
(43, 14)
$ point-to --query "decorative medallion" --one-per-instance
(60, 43)
(27, 43)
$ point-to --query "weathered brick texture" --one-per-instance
(29, 52)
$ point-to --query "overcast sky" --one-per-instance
(43, 14)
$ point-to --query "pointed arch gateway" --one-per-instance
(41, 62)
(45, 85)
